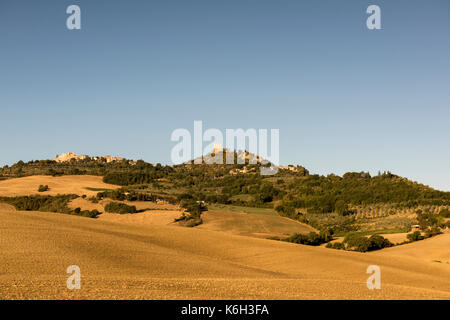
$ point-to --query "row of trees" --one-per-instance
(310, 239)
(58, 203)
(121, 208)
(129, 195)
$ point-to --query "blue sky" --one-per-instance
(345, 98)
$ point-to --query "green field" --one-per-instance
(97, 189)
(372, 232)
(249, 210)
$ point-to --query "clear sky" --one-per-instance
(345, 98)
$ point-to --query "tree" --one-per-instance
(42, 188)
(341, 207)
(378, 242)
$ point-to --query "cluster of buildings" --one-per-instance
(65, 157)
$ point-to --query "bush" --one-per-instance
(195, 208)
(193, 222)
(86, 213)
(41, 203)
(339, 246)
(93, 199)
(361, 243)
(286, 210)
(189, 220)
(415, 236)
(311, 239)
(432, 232)
(43, 188)
(378, 242)
(116, 207)
(90, 214)
(445, 213)
(336, 245)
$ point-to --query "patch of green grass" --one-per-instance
(249, 210)
(242, 197)
(97, 189)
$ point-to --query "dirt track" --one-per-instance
(123, 261)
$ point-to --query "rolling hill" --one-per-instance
(122, 261)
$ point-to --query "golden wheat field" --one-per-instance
(57, 185)
(145, 256)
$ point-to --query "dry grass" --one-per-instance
(128, 261)
(433, 249)
(57, 185)
(160, 214)
(146, 256)
(254, 225)
(395, 237)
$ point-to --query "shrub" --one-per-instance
(311, 239)
(116, 207)
(432, 232)
(90, 214)
(122, 195)
(341, 207)
(86, 213)
(445, 213)
(378, 242)
(193, 222)
(361, 243)
(195, 208)
(286, 210)
(189, 220)
(93, 199)
(43, 188)
(41, 203)
(336, 245)
(339, 246)
(415, 236)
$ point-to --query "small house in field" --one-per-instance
(415, 227)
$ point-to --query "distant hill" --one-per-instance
(294, 192)
(228, 157)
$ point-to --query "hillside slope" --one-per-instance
(77, 184)
(167, 262)
(435, 250)
(255, 225)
